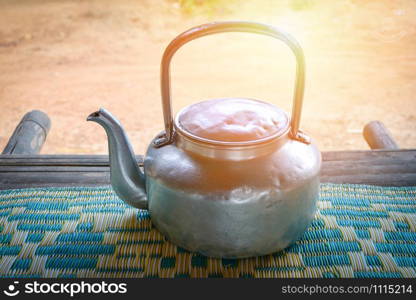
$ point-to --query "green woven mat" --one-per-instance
(359, 231)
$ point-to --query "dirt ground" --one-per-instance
(68, 58)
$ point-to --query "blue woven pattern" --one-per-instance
(359, 231)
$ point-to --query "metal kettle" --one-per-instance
(221, 198)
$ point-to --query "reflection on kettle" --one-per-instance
(227, 178)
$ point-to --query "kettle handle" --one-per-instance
(218, 27)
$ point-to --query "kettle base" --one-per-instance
(254, 224)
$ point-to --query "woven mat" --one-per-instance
(359, 231)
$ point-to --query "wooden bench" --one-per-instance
(22, 167)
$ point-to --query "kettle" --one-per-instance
(228, 178)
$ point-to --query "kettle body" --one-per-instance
(221, 197)
(233, 208)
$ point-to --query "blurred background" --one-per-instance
(68, 58)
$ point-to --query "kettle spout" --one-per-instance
(127, 179)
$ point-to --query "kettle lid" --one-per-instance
(232, 120)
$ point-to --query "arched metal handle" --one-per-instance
(212, 28)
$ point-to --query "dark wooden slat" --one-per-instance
(58, 160)
(329, 168)
(15, 186)
(55, 160)
(374, 179)
(53, 169)
(388, 168)
(362, 155)
(52, 178)
(374, 155)
(367, 167)
(21, 179)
